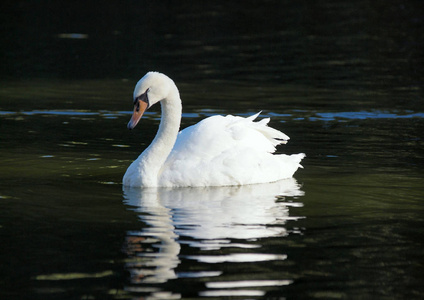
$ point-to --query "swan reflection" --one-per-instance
(206, 218)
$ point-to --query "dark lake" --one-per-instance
(343, 79)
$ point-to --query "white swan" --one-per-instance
(217, 151)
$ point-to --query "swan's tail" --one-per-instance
(288, 164)
(297, 158)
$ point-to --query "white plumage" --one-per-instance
(217, 151)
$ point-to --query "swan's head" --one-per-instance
(150, 89)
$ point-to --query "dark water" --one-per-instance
(343, 80)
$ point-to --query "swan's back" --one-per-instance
(228, 150)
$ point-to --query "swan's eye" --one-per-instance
(143, 97)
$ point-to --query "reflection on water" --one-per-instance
(223, 223)
(300, 114)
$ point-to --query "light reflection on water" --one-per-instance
(320, 116)
(223, 223)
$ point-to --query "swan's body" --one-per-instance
(217, 151)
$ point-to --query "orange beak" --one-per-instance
(139, 108)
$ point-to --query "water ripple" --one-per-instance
(295, 114)
(362, 115)
(237, 257)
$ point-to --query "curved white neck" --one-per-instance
(153, 158)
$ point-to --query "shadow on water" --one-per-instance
(216, 226)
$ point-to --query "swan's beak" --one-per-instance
(139, 109)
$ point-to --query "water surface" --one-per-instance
(343, 80)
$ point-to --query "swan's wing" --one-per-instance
(216, 134)
(218, 149)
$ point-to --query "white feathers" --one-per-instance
(227, 151)
(217, 151)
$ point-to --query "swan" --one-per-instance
(217, 151)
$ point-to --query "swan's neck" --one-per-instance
(153, 158)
